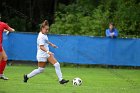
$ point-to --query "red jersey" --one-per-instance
(2, 27)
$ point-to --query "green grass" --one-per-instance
(95, 80)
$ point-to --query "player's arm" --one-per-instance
(116, 33)
(10, 29)
(51, 44)
(107, 33)
(44, 49)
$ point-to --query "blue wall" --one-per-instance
(76, 49)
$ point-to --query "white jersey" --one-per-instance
(42, 40)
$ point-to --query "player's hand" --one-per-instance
(54, 46)
(13, 29)
(112, 34)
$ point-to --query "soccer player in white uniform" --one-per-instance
(44, 55)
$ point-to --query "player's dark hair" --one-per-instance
(111, 23)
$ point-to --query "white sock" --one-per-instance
(35, 72)
(58, 71)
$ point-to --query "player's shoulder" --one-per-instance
(2, 23)
(115, 29)
(41, 36)
(107, 29)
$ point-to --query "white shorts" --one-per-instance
(42, 59)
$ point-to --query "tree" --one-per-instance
(82, 18)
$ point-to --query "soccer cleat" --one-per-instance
(25, 78)
(3, 77)
(63, 81)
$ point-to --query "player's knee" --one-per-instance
(41, 69)
(57, 64)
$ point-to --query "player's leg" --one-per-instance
(0, 53)
(0, 56)
(3, 65)
(40, 69)
(56, 64)
(1, 72)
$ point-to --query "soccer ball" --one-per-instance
(77, 81)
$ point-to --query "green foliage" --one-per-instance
(84, 17)
(18, 23)
(127, 18)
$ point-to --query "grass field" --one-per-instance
(95, 80)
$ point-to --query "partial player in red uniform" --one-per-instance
(3, 56)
